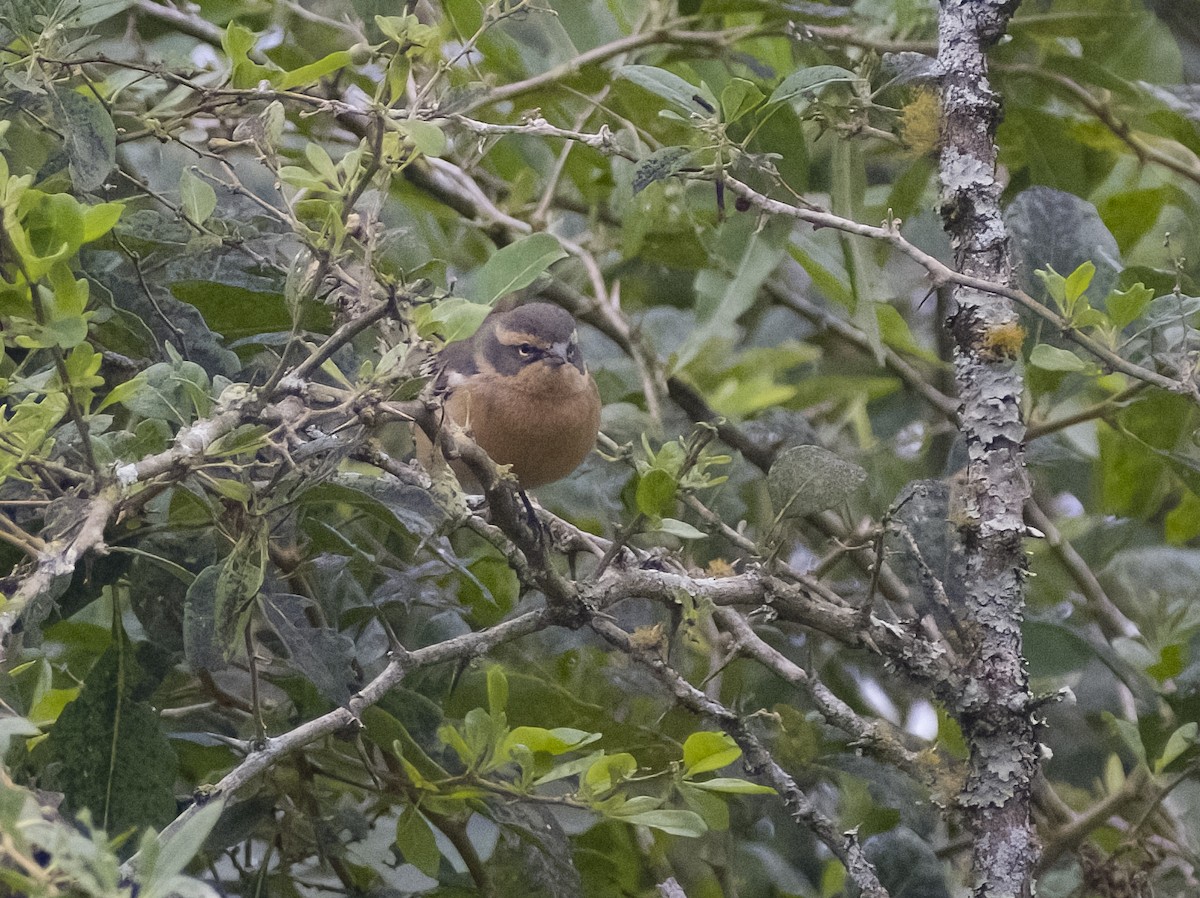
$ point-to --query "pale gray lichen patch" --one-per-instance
(962, 172)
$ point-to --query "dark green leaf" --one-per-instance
(807, 479)
(414, 838)
(111, 754)
(91, 138)
(667, 85)
(321, 654)
(807, 83)
(661, 164)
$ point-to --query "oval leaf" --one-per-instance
(807, 479)
(516, 266)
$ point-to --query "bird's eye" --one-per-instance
(525, 350)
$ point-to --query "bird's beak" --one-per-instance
(557, 355)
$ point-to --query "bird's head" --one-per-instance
(536, 334)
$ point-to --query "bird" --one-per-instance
(520, 387)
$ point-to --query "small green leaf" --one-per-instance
(661, 164)
(1052, 358)
(321, 163)
(733, 786)
(233, 490)
(738, 98)
(609, 771)
(415, 839)
(1085, 316)
(655, 494)
(452, 319)
(515, 267)
(98, 220)
(89, 135)
(1078, 281)
(808, 82)
(426, 136)
(309, 74)
(1056, 286)
(178, 850)
(1171, 662)
(85, 15)
(1127, 732)
(806, 479)
(680, 529)
(1179, 741)
(707, 751)
(556, 742)
(497, 690)
(669, 86)
(1125, 307)
(677, 823)
(198, 197)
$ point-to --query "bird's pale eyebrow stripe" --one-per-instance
(513, 338)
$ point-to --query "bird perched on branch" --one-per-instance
(520, 387)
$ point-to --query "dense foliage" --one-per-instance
(250, 648)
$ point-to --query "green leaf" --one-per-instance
(1078, 281)
(99, 219)
(85, 15)
(322, 654)
(415, 839)
(608, 772)
(706, 751)
(1127, 732)
(733, 786)
(1052, 358)
(660, 165)
(452, 319)
(89, 136)
(669, 86)
(1054, 650)
(1179, 741)
(515, 267)
(309, 74)
(427, 137)
(198, 197)
(219, 601)
(106, 722)
(680, 529)
(1056, 286)
(677, 823)
(497, 690)
(806, 479)
(738, 98)
(711, 807)
(1126, 306)
(177, 851)
(655, 495)
(1171, 662)
(807, 83)
(322, 163)
(557, 741)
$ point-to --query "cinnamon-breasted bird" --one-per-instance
(520, 387)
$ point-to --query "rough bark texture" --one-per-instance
(996, 710)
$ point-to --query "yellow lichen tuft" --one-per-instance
(1004, 341)
(920, 122)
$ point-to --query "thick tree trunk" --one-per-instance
(996, 710)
